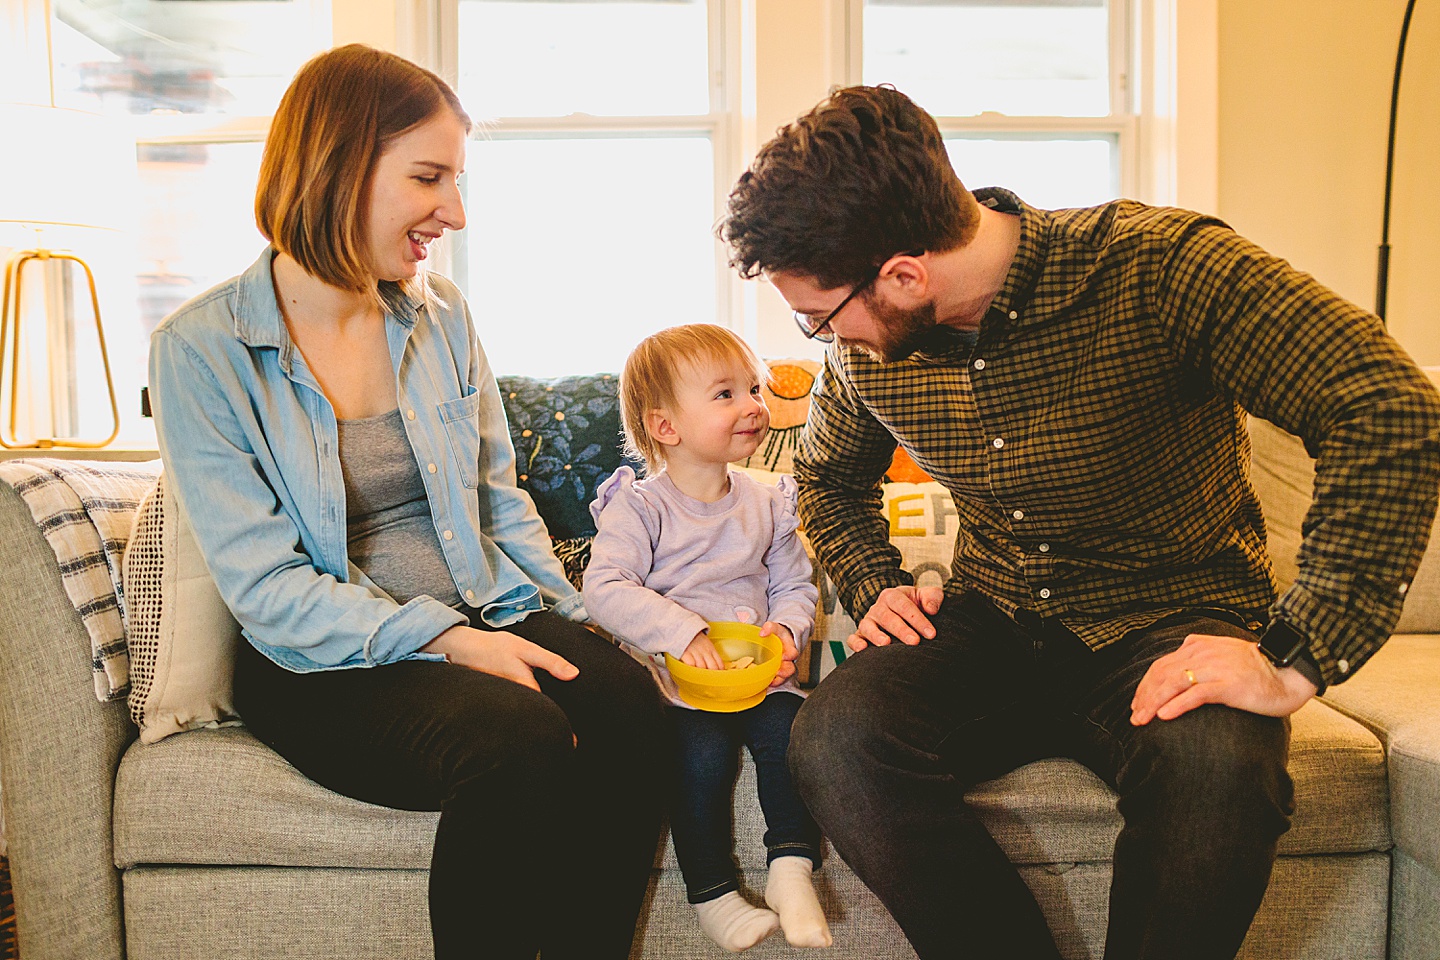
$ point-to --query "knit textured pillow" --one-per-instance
(181, 635)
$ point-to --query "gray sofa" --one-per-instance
(208, 845)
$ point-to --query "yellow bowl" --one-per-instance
(726, 691)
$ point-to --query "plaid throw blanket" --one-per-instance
(85, 511)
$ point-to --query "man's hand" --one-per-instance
(899, 613)
(501, 654)
(702, 653)
(789, 653)
(1223, 670)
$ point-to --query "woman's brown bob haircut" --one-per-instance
(861, 177)
(334, 121)
(657, 366)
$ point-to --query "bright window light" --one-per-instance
(1048, 173)
(961, 58)
(602, 58)
(579, 248)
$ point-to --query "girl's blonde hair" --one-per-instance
(652, 375)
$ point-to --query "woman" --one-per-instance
(334, 434)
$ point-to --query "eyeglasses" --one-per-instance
(814, 328)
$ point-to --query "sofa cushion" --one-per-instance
(243, 804)
(1395, 697)
(1053, 811)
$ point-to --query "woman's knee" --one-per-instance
(530, 741)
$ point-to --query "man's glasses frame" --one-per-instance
(819, 331)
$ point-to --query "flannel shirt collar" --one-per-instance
(948, 345)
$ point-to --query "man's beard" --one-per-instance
(902, 332)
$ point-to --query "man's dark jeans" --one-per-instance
(885, 748)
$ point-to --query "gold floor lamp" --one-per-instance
(53, 179)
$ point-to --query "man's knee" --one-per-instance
(1228, 761)
(836, 735)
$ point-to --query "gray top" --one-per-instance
(391, 533)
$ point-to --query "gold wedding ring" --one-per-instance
(1190, 675)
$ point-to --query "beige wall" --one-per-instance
(1304, 99)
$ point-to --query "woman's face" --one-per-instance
(414, 196)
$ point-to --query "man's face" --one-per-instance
(885, 331)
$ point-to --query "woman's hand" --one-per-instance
(789, 653)
(500, 654)
(702, 653)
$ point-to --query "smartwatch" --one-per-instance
(1285, 646)
(1282, 644)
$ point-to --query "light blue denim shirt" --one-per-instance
(251, 448)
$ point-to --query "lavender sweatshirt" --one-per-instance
(664, 563)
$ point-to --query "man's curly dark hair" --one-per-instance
(858, 179)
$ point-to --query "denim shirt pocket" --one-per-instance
(461, 419)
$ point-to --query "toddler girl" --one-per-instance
(696, 541)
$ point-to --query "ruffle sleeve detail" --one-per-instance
(622, 478)
(787, 514)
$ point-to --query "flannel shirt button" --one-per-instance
(1018, 514)
(980, 363)
(1404, 587)
(1044, 593)
(1044, 548)
(1014, 315)
(998, 442)
(1343, 666)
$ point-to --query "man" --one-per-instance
(1077, 379)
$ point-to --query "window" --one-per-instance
(186, 90)
(196, 82)
(1030, 94)
(593, 185)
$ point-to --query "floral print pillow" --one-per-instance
(566, 433)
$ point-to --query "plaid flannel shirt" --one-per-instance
(1093, 437)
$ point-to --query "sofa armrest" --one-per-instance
(59, 750)
(1394, 695)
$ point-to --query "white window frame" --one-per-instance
(437, 33)
(1122, 123)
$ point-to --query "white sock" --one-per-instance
(790, 892)
(733, 923)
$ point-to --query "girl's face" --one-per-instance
(720, 415)
(415, 196)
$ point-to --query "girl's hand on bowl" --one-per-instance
(702, 653)
(789, 652)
